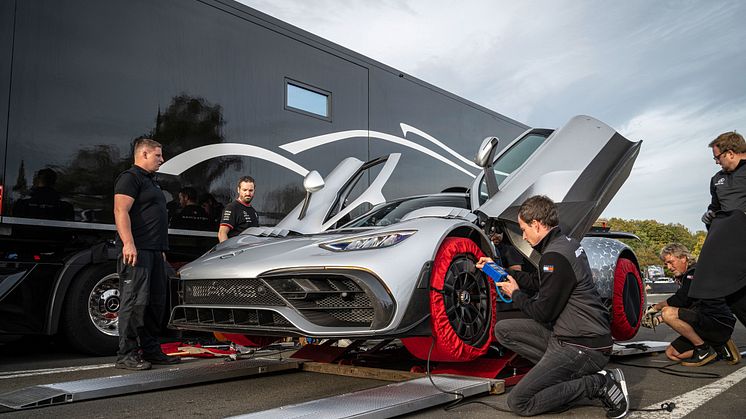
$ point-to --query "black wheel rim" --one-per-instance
(467, 302)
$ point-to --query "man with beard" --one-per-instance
(239, 214)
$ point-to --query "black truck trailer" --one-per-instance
(223, 88)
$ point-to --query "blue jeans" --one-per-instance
(563, 374)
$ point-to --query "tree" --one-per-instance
(654, 236)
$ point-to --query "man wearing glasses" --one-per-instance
(728, 186)
(721, 271)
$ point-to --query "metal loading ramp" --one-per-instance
(72, 391)
(382, 402)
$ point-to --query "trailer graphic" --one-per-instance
(217, 84)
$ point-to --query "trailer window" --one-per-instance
(306, 99)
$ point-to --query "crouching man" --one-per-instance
(705, 326)
(567, 335)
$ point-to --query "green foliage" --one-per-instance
(654, 235)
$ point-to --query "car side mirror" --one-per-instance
(486, 152)
(313, 182)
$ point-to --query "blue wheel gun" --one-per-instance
(498, 274)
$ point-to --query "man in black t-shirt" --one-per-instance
(142, 225)
(239, 214)
(190, 215)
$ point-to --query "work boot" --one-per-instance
(613, 394)
(729, 352)
(132, 361)
(702, 355)
(159, 358)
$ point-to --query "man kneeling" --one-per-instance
(705, 326)
(567, 335)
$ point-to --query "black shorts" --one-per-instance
(710, 330)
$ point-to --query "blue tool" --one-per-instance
(498, 274)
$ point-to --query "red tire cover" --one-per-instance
(251, 341)
(621, 329)
(448, 346)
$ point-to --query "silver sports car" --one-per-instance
(406, 268)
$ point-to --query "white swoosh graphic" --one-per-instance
(178, 164)
(296, 147)
(405, 128)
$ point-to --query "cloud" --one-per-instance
(670, 73)
(670, 180)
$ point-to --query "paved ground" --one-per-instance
(648, 387)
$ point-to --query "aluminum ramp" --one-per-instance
(382, 402)
(638, 347)
(180, 375)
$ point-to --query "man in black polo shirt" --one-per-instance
(239, 214)
(567, 333)
(142, 225)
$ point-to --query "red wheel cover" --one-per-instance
(251, 341)
(448, 346)
(621, 327)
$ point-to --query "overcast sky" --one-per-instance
(671, 73)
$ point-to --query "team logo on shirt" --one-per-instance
(720, 181)
(548, 268)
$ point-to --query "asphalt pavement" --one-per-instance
(718, 393)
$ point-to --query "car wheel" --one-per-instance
(628, 300)
(90, 316)
(462, 305)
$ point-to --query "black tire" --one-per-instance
(94, 293)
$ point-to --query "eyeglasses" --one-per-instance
(717, 157)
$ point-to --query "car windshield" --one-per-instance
(392, 212)
(511, 160)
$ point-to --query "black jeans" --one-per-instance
(563, 374)
(143, 294)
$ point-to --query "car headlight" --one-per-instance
(368, 242)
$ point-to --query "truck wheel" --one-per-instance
(627, 301)
(462, 306)
(90, 317)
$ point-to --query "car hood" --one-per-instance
(248, 256)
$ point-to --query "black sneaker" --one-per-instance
(729, 352)
(132, 361)
(159, 358)
(614, 393)
(702, 355)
